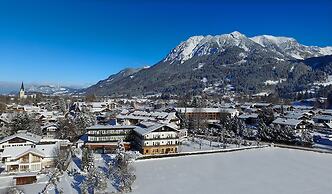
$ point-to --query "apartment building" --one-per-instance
(156, 138)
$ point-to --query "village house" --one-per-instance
(49, 131)
(210, 115)
(326, 112)
(297, 125)
(135, 117)
(262, 105)
(249, 118)
(48, 117)
(97, 107)
(156, 138)
(297, 115)
(31, 109)
(32, 158)
(104, 138)
(323, 127)
(282, 108)
(322, 119)
(20, 139)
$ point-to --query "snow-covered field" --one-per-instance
(257, 171)
(197, 144)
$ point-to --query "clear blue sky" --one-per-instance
(83, 41)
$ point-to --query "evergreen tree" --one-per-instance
(95, 182)
(122, 170)
(61, 156)
(23, 121)
(87, 159)
(306, 138)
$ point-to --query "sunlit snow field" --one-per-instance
(257, 171)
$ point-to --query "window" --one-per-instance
(24, 167)
(35, 167)
(25, 158)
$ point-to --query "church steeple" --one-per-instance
(22, 92)
(22, 87)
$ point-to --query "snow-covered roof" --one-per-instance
(4, 120)
(327, 112)
(109, 127)
(261, 104)
(207, 110)
(295, 115)
(329, 125)
(46, 150)
(148, 127)
(25, 174)
(278, 106)
(303, 107)
(248, 115)
(30, 108)
(290, 122)
(149, 116)
(323, 117)
(19, 151)
(23, 135)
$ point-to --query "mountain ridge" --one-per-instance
(219, 64)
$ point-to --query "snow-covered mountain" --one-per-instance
(205, 45)
(51, 89)
(283, 47)
(290, 47)
(223, 63)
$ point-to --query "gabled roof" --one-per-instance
(149, 127)
(248, 115)
(17, 152)
(31, 150)
(290, 122)
(23, 135)
(207, 110)
(110, 127)
(262, 104)
(295, 115)
(328, 125)
(327, 111)
(45, 151)
(4, 120)
(323, 117)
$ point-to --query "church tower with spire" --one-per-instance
(22, 92)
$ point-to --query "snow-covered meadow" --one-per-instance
(256, 171)
(266, 170)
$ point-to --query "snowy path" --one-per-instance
(257, 171)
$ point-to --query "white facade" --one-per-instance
(28, 158)
(161, 138)
(27, 163)
(7, 144)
